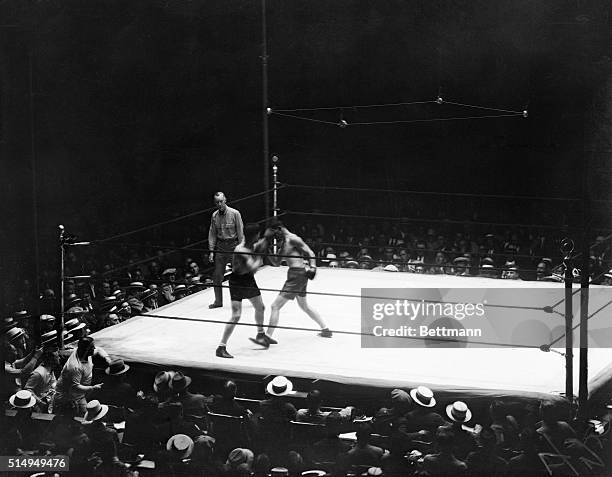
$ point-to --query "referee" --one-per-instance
(226, 231)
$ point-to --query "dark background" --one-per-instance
(135, 112)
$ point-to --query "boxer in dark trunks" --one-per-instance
(242, 286)
(295, 251)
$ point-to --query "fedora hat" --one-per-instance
(161, 383)
(95, 411)
(180, 445)
(423, 396)
(458, 412)
(179, 382)
(279, 386)
(240, 456)
(23, 399)
(169, 271)
(391, 268)
(116, 367)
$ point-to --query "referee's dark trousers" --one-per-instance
(223, 256)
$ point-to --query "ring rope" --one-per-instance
(545, 309)
(416, 192)
(177, 219)
(442, 221)
(343, 332)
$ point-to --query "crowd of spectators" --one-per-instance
(169, 430)
(109, 426)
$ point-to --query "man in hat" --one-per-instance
(422, 421)
(459, 414)
(275, 411)
(365, 453)
(295, 251)
(116, 390)
(41, 382)
(23, 433)
(242, 285)
(74, 382)
(193, 404)
(104, 440)
(226, 231)
(17, 370)
(444, 462)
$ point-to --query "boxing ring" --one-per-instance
(185, 334)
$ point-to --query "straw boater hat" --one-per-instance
(279, 386)
(50, 337)
(458, 412)
(148, 293)
(180, 445)
(47, 318)
(21, 315)
(117, 367)
(95, 411)
(13, 334)
(8, 323)
(423, 396)
(23, 399)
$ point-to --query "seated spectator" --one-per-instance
(364, 453)
(226, 402)
(149, 300)
(312, 413)
(554, 431)
(173, 460)
(504, 426)
(295, 464)
(116, 390)
(510, 271)
(484, 462)
(103, 440)
(527, 462)
(422, 420)
(331, 448)
(193, 404)
(16, 370)
(276, 412)
(444, 463)
(261, 466)
(42, 381)
(203, 458)
(161, 385)
(239, 463)
(75, 379)
(23, 433)
(387, 418)
(172, 421)
(140, 426)
(464, 442)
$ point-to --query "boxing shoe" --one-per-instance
(261, 340)
(325, 333)
(222, 352)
